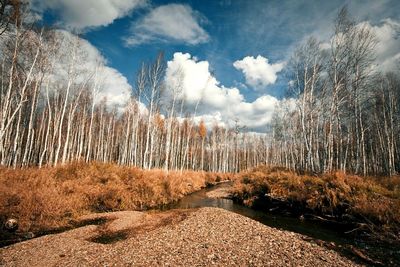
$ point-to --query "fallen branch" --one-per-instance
(361, 226)
(361, 255)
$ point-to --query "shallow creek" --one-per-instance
(312, 229)
(329, 235)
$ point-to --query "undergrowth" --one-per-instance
(53, 197)
(371, 203)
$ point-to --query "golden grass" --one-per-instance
(48, 198)
(367, 199)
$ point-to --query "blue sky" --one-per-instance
(128, 32)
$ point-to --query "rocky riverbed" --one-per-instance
(197, 237)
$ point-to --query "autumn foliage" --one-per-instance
(373, 203)
(53, 197)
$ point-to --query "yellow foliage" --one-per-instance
(52, 197)
(372, 198)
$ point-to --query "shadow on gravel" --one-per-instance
(7, 239)
(152, 221)
(325, 233)
(110, 238)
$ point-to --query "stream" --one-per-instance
(333, 237)
(312, 229)
(327, 235)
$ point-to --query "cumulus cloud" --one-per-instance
(388, 47)
(80, 15)
(172, 22)
(217, 104)
(115, 88)
(90, 66)
(257, 71)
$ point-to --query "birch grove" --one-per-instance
(51, 119)
(347, 113)
(342, 113)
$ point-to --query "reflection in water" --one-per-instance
(313, 229)
(310, 228)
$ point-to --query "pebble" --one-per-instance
(208, 236)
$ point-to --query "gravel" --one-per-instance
(203, 237)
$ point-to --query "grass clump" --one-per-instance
(373, 203)
(48, 198)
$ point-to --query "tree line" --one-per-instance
(51, 116)
(343, 114)
(347, 113)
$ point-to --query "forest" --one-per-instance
(341, 112)
(330, 153)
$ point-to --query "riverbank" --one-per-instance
(52, 200)
(47, 199)
(203, 237)
(365, 209)
(371, 204)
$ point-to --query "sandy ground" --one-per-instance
(203, 237)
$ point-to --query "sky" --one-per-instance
(231, 54)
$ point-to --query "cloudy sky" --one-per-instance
(231, 53)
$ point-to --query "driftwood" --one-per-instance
(275, 197)
(362, 226)
(361, 255)
(283, 205)
(316, 217)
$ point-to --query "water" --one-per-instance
(312, 229)
(332, 236)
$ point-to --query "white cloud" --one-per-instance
(388, 47)
(80, 15)
(210, 120)
(258, 72)
(90, 65)
(325, 46)
(197, 82)
(114, 88)
(172, 22)
(217, 104)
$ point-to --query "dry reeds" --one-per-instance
(372, 200)
(52, 197)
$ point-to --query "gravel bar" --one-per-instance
(202, 237)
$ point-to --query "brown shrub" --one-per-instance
(250, 187)
(53, 197)
(374, 200)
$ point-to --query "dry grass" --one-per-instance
(47, 198)
(371, 201)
